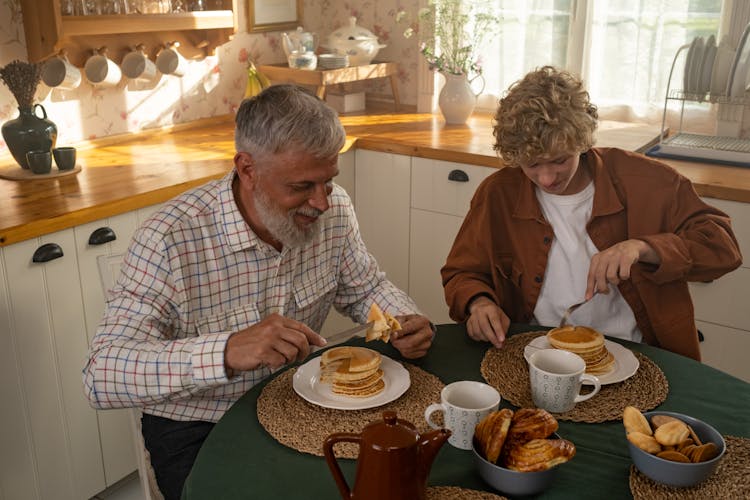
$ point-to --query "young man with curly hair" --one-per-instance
(571, 221)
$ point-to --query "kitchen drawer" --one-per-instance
(432, 189)
(724, 301)
(740, 214)
(725, 349)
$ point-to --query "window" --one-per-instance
(622, 48)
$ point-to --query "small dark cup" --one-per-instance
(40, 162)
(65, 157)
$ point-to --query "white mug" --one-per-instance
(137, 66)
(464, 404)
(102, 71)
(556, 377)
(59, 73)
(171, 62)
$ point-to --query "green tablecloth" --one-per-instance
(240, 460)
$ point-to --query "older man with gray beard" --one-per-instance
(232, 280)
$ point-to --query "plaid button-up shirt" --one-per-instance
(195, 273)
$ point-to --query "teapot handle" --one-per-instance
(333, 464)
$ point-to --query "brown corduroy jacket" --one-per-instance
(502, 247)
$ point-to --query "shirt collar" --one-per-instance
(238, 233)
(606, 200)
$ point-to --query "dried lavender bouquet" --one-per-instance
(22, 78)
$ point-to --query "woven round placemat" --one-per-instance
(730, 480)
(456, 493)
(303, 426)
(507, 371)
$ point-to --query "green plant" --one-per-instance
(451, 33)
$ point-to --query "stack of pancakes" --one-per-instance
(587, 343)
(352, 371)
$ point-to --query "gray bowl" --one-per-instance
(513, 482)
(677, 473)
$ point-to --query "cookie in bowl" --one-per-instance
(674, 449)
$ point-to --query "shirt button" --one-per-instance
(538, 279)
(547, 240)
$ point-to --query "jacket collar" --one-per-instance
(606, 200)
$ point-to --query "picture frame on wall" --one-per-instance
(274, 15)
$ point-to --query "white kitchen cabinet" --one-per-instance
(336, 322)
(441, 193)
(382, 183)
(60, 452)
(54, 444)
(721, 307)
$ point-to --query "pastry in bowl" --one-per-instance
(675, 449)
(587, 342)
(517, 452)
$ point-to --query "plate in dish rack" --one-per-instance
(626, 364)
(307, 384)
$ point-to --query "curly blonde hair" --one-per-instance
(546, 112)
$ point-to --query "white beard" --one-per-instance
(281, 225)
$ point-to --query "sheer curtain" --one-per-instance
(622, 48)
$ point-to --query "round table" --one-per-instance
(239, 459)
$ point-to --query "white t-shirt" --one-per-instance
(568, 266)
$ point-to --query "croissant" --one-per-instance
(539, 454)
(531, 423)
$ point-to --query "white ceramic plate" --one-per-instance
(707, 65)
(626, 364)
(307, 384)
(688, 65)
(695, 65)
(722, 67)
(736, 83)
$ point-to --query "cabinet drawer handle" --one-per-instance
(458, 176)
(47, 252)
(101, 236)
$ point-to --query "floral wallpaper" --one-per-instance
(212, 86)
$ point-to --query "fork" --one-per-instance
(570, 310)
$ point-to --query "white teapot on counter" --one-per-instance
(359, 44)
(299, 42)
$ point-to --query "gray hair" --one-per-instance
(288, 118)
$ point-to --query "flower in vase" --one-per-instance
(451, 33)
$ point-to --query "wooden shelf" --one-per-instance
(48, 32)
(141, 23)
(322, 78)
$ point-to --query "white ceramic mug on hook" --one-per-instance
(60, 74)
(102, 71)
(170, 62)
(137, 66)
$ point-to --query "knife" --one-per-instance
(341, 337)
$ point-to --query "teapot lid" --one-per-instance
(390, 433)
(353, 32)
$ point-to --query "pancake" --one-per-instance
(352, 371)
(585, 342)
(383, 324)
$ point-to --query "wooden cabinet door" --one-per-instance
(48, 334)
(382, 204)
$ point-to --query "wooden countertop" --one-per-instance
(127, 172)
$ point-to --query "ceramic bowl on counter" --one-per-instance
(359, 44)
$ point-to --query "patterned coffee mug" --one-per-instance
(464, 404)
(556, 377)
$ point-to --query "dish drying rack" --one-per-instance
(689, 146)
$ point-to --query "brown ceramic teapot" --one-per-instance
(394, 459)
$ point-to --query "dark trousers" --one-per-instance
(173, 447)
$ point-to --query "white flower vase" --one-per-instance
(457, 99)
